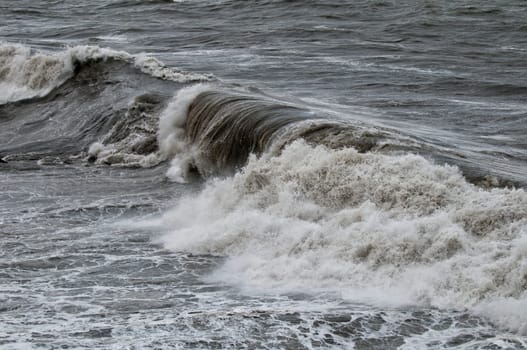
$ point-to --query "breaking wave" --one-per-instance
(308, 200)
(320, 204)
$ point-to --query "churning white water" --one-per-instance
(369, 227)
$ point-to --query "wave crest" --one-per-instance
(214, 129)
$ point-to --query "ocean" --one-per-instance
(227, 174)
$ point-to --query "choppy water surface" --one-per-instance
(272, 174)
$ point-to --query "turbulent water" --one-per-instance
(263, 174)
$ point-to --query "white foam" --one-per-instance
(152, 66)
(375, 228)
(114, 38)
(120, 155)
(23, 75)
(171, 134)
(506, 312)
(123, 152)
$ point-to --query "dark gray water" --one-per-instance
(400, 221)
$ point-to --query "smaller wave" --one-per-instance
(85, 102)
(27, 74)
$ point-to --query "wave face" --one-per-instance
(214, 129)
(227, 127)
(375, 228)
